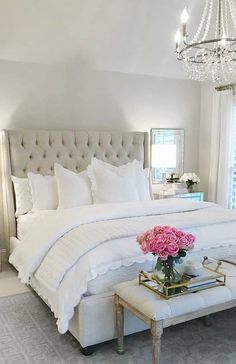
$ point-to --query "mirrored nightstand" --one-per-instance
(195, 196)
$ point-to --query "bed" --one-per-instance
(81, 253)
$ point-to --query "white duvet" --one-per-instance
(66, 249)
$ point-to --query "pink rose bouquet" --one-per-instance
(169, 244)
(166, 241)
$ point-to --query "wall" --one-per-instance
(41, 96)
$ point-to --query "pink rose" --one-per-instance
(145, 247)
(179, 233)
(191, 238)
(171, 238)
(160, 246)
(183, 242)
(172, 249)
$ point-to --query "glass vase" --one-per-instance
(165, 271)
(190, 187)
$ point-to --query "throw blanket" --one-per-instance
(56, 246)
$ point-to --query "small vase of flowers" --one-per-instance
(190, 179)
(169, 246)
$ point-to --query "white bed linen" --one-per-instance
(214, 227)
(24, 222)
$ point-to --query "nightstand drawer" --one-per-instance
(195, 196)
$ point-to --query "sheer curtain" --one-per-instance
(221, 146)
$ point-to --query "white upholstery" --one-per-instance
(157, 308)
(94, 320)
(24, 151)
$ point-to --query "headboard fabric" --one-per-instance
(24, 151)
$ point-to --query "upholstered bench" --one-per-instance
(159, 313)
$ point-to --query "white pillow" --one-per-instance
(148, 183)
(44, 191)
(23, 195)
(73, 189)
(142, 180)
(142, 176)
(112, 184)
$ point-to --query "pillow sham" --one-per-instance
(44, 191)
(142, 180)
(142, 176)
(74, 189)
(112, 184)
(23, 197)
(148, 183)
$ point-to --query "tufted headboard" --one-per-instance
(24, 151)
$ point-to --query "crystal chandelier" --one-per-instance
(211, 54)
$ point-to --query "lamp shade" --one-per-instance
(164, 156)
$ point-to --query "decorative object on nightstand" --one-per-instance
(190, 179)
(172, 178)
(2, 253)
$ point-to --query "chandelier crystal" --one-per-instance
(211, 54)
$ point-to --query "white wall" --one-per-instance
(41, 96)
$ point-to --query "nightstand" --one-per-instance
(194, 196)
(2, 253)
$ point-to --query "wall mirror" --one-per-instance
(167, 153)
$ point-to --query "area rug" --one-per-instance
(28, 334)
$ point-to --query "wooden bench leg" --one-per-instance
(119, 325)
(156, 331)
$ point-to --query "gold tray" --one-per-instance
(148, 280)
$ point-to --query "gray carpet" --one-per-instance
(28, 334)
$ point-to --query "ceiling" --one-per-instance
(131, 36)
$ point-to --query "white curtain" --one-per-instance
(221, 144)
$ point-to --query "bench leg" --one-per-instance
(156, 331)
(119, 325)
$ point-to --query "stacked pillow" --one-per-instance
(100, 183)
(74, 189)
(118, 184)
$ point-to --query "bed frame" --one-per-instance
(24, 151)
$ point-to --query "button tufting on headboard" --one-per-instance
(36, 151)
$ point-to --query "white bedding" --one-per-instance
(24, 222)
(77, 245)
(101, 283)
